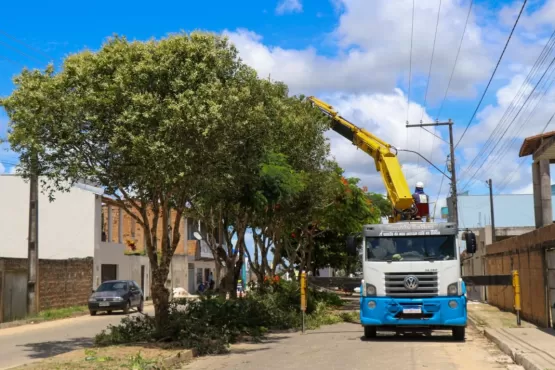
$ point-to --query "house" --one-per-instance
(84, 238)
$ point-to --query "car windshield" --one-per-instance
(112, 286)
(413, 248)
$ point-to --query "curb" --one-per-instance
(519, 357)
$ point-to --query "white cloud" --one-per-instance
(2, 168)
(289, 6)
(372, 51)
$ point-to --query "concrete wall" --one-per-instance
(129, 267)
(62, 283)
(66, 225)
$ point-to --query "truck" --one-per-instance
(411, 275)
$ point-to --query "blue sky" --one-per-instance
(352, 53)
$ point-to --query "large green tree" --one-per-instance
(153, 123)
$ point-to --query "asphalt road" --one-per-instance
(27, 343)
(342, 347)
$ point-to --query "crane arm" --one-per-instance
(386, 161)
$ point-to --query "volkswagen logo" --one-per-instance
(411, 282)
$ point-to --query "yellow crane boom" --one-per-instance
(386, 161)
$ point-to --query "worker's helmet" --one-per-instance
(420, 185)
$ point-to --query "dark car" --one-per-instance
(115, 295)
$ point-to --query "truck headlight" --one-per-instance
(370, 289)
(453, 289)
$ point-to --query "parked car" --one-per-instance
(116, 295)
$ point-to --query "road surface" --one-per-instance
(342, 347)
(27, 343)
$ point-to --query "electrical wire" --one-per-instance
(19, 51)
(469, 183)
(410, 64)
(428, 87)
(507, 180)
(494, 136)
(24, 44)
(456, 60)
(493, 74)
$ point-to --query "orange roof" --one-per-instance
(532, 143)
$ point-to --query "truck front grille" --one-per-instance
(395, 284)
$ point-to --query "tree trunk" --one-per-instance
(160, 297)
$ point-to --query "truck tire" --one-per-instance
(459, 333)
(369, 332)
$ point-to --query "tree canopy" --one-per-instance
(181, 126)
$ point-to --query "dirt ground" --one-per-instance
(113, 357)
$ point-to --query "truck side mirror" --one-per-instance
(470, 239)
(351, 245)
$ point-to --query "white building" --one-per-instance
(82, 223)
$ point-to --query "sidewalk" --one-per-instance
(529, 346)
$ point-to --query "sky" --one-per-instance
(356, 55)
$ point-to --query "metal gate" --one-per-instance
(14, 295)
(550, 255)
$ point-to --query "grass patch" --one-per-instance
(61, 313)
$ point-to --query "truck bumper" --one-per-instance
(436, 312)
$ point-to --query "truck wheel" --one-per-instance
(459, 333)
(369, 332)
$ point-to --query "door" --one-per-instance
(108, 272)
(550, 254)
(191, 278)
(15, 295)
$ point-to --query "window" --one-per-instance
(113, 286)
(413, 248)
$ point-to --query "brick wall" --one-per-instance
(65, 283)
(524, 253)
(62, 283)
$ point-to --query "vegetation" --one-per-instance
(181, 126)
(209, 325)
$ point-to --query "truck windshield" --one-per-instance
(413, 248)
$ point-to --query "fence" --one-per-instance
(527, 254)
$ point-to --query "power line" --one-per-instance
(428, 85)
(431, 61)
(469, 183)
(9, 60)
(514, 103)
(456, 60)
(506, 181)
(410, 64)
(24, 44)
(493, 74)
(19, 51)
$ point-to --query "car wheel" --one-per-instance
(369, 332)
(141, 306)
(127, 307)
(459, 333)
(93, 313)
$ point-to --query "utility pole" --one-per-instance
(453, 171)
(33, 242)
(491, 210)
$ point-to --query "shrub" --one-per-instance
(209, 324)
